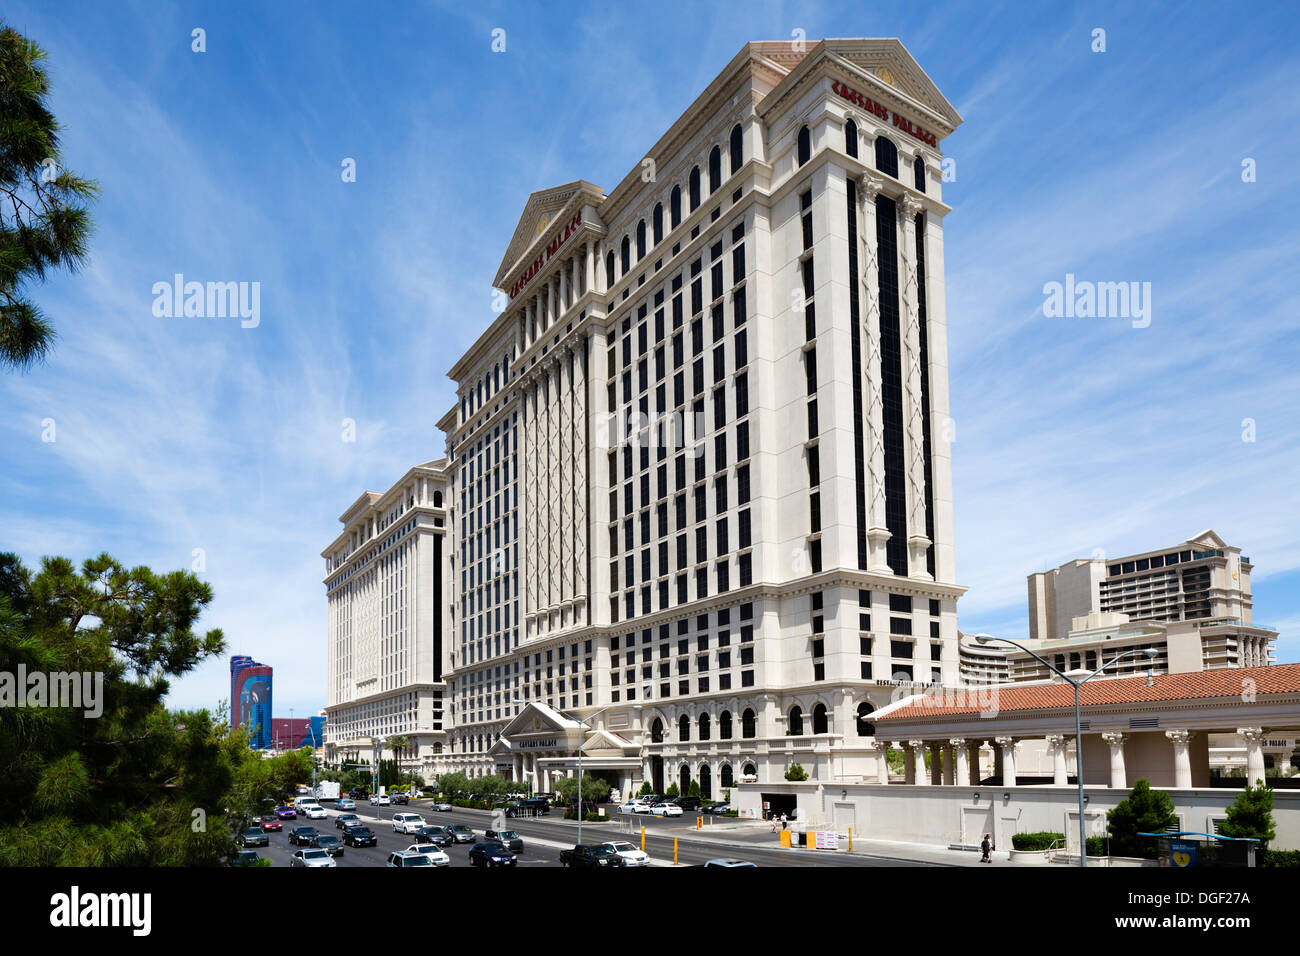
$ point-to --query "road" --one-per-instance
(545, 837)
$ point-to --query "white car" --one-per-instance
(628, 853)
(380, 800)
(666, 810)
(407, 822)
(434, 853)
(641, 806)
(441, 807)
(312, 858)
(312, 811)
(629, 808)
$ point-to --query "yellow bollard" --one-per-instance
(643, 838)
(785, 838)
(850, 839)
(699, 821)
(674, 851)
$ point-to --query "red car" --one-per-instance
(270, 822)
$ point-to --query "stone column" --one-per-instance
(589, 280)
(877, 532)
(563, 298)
(961, 760)
(1118, 775)
(917, 542)
(1253, 737)
(918, 756)
(1182, 756)
(882, 761)
(1008, 745)
(1060, 773)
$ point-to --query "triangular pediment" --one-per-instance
(605, 743)
(535, 222)
(887, 63)
(538, 719)
(1208, 539)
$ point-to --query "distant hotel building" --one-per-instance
(1191, 602)
(698, 486)
(250, 700)
(389, 619)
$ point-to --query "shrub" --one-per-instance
(1251, 815)
(796, 772)
(1143, 811)
(1286, 858)
(1097, 846)
(1036, 841)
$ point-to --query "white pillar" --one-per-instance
(1008, 745)
(882, 761)
(918, 755)
(1182, 756)
(1253, 737)
(1060, 773)
(961, 775)
(1118, 776)
(589, 273)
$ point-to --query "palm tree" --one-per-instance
(399, 745)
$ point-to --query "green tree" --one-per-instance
(646, 790)
(1143, 811)
(694, 789)
(134, 784)
(672, 791)
(399, 745)
(1251, 815)
(449, 784)
(796, 772)
(44, 221)
(594, 789)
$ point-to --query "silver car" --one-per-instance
(312, 858)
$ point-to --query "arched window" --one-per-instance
(704, 726)
(706, 781)
(437, 499)
(657, 731)
(851, 138)
(865, 727)
(819, 719)
(724, 725)
(796, 721)
(685, 777)
(748, 725)
(918, 171)
(627, 254)
(715, 170)
(805, 145)
(675, 208)
(693, 187)
(724, 775)
(886, 156)
(658, 223)
(749, 770)
(737, 148)
(609, 270)
(640, 240)
(684, 728)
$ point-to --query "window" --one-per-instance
(724, 725)
(748, 725)
(886, 156)
(851, 138)
(820, 725)
(693, 187)
(675, 207)
(609, 269)
(865, 727)
(657, 223)
(627, 255)
(796, 721)
(640, 240)
(737, 148)
(684, 728)
(805, 145)
(918, 172)
(715, 170)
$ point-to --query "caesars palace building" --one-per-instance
(695, 515)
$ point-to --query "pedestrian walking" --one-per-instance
(985, 849)
(785, 823)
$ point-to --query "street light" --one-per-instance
(582, 723)
(1078, 730)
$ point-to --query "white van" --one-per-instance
(407, 822)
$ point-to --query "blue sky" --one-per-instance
(1072, 434)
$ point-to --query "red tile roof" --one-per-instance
(1226, 682)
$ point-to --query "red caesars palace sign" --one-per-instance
(544, 256)
(906, 125)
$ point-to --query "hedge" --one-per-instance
(589, 818)
(1287, 858)
(1036, 841)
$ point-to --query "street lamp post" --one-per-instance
(1078, 726)
(582, 722)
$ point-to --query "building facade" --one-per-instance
(251, 685)
(386, 579)
(698, 470)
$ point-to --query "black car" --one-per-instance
(401, 799)
(689, 804)
(511, 840)
(327, 842)
(254, 836)
(491, 854)
(461, 834)
(246, 858)
(302, 836)
(588, 856)
(359, 836)
(436, 835)
(538, 805)
(359, 793)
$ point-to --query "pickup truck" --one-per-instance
(589, 856)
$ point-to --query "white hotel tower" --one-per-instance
(699, 481)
